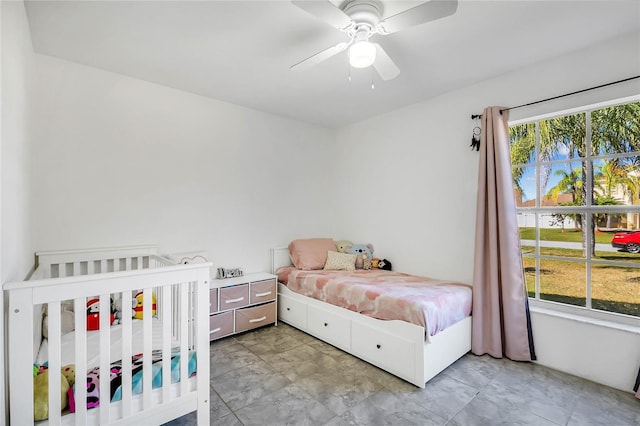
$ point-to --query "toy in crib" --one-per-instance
(140, 303)
(41, 390)
(93, 314)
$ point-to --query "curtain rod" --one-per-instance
(474, 116)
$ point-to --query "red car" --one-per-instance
(629, 241)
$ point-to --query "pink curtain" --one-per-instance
(501, 322)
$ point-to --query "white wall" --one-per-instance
(16, 254)
(413, 185)
(122, 161)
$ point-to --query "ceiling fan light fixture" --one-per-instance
(362, 54)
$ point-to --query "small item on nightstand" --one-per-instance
(229, 273)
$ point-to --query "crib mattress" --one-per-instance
(93, 343)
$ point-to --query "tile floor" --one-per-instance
(279, 375)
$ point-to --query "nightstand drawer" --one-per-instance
(213, 300)
(234, 297)
(262, 291)
(255, 316)
(220, 325)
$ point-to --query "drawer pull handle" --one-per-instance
(378, 346)
(239, 299)
(325, 324)
(215, 330)
(288, 309)
(266, 293)
(258, 319)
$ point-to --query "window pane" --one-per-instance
(616, 129)
(523, 142)
(563, 282)
(617, 237)
(524, 186)
(563, 137)
(529, 267)
(615, 289)
(617, 181)
(561, 184)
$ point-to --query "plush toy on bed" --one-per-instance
(366, 262)
(140, 304)
(41, 394)
(342, 245)
(93, 314)
(360, 250)
(384, 264)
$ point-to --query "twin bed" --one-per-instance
(413, 327)
(158, 366)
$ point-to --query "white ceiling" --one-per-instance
(241, 51)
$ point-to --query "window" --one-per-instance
(577, 191)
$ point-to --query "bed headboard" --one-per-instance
(279, 258)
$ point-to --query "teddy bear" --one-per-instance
(341, 245)
(41, 393)
(366, 262)
(360, 250)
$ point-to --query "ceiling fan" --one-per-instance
(361, 19)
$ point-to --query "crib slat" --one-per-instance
(184, 337)
(54, 362)
(76, 269)
(126, 354)
(80, 309)
(105, 350)
(165, 311)
(146, 360)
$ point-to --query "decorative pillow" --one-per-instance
(310, 254)
(340, 261)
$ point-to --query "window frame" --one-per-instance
(586, 312)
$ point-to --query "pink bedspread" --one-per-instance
(433, 304)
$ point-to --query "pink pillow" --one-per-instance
(311, 253)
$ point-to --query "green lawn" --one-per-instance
(613, 288)
(569, 235)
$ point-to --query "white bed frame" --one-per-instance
(182, 307)
(395, 346)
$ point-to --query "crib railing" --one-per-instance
(182, 309)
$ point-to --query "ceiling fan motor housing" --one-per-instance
(364, 12)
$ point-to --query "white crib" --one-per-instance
(182, 293)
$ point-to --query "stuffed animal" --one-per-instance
(139, 305)
(366, 261)
(41, 394)
(342, 245)
(359, 250)
(384, 264)
(120, 310)
(374, 263)
(93, 314)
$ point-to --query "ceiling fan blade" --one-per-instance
(384, 65)
(319, 57)
(326, 11)
(425, 12)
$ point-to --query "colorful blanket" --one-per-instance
(430, 303)
(93, 376)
